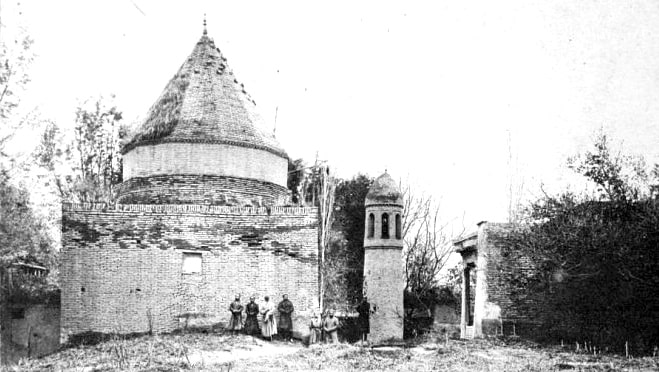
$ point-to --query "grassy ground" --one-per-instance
(222, 352)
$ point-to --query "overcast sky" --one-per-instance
(452, 95)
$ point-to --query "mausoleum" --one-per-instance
(201, 216)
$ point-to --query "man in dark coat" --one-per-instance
(285, 309)
(252, 320)
(236, 309)
(364, 310)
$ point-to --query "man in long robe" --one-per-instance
(252, 320)
(269, 321)
(364, 310)
(331, 327)
(285, 325)
(236, 309)
(315, 328)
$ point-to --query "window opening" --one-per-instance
(191, 263)
(385, 226)
(371, 225)
(398, 227)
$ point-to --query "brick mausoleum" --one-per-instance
(200, 217)
(487, 299)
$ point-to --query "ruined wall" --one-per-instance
(499, 307)
(384, 284)
(201, 189)
(122, 269)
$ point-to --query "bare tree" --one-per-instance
(326, 210)
(427, 244)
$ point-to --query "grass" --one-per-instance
(224, 352)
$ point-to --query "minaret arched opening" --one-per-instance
(385, 225)
(371, 226)
(398, 226)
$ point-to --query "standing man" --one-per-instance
(364, 310)
(315, 328)
(285, 309)
(331, 326)
(252, 320)
(269, 321)
(236, 309)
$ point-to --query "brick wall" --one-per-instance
(201, 189)
(384, 284)
(500, 307)
(121, 267)
(205, 158)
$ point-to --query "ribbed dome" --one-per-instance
(205, 103)
(384, 191)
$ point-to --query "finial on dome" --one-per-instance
(205, 32)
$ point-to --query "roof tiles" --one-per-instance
(205, 103)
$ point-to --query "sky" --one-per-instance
(456, 98)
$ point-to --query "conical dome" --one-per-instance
(384, 191)
(202, 143)
(204, 103)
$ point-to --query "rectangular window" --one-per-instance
(18, 313)
(191, 263)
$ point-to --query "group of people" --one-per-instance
(270, 327)
(319, 328)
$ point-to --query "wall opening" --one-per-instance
(191, 263)
(371, 225)
(18, 313)
(398, 227)
(385, 226)
(470, 292)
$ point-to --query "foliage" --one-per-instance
(591, 263)
(295, 179)
(88, 167)
(22, 234)
(15, 59)
(347, 244)
(24, 238)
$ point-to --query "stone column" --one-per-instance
(464, 318)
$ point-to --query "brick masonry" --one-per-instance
(384, 284)
(495, 310)
(383, 275)
(201, 189)
(121, 266)
(205, 158)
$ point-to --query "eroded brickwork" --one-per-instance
(499, 304)
(201, 189)
(205, 158)
(384, 284)
(504, 309)
(122, 267)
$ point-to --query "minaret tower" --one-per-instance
(383, 270)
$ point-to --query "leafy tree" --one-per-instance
(21, 232)
(587, 266)
(88, 167)
(295, 179)
(16, 56)
(345, 249)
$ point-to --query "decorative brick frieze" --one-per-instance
(201, 189)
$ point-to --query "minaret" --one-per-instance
(383, 270)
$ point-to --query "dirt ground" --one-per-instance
(223, 352)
